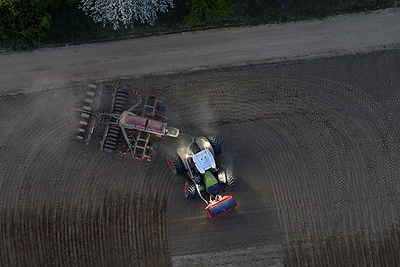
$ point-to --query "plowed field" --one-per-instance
(313, 145)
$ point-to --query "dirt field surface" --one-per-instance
(313, 144)
(314, 147)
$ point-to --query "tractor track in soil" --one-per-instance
(56, 208)
(314, 145)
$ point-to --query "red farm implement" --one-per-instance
(133, 118)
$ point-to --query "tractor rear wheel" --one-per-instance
(230, 180)
(215, 144)
(190, 190)
(175, 163)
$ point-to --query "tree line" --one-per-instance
(24, 23)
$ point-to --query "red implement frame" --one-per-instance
(143, 119)
(221, 206)
(138, 146)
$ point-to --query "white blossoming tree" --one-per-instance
(125, 11)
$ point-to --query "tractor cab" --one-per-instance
(204, 160)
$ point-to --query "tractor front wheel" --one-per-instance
(175, 163)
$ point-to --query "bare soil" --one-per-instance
(313, 144)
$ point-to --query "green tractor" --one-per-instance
(204, 178)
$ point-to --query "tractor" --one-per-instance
(204, 178)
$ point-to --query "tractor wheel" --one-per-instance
(190, 190)
(175, 163)
(230, 180)
(215, 144)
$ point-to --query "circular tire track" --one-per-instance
(325, 146)
(64, 203)
(313, 147)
